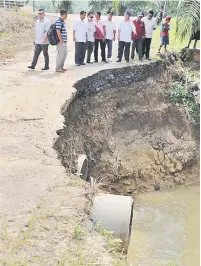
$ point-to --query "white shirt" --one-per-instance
(109, 29)
(90, 31)
(80, 29)
(126, 28)
(42, 27)
(150, 24)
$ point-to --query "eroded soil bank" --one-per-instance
(134, 137)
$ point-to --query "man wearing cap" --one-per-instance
(165, 27)
(41, 41)
(138, 36)
(125, 31)
(99, 38)
(110, 33)
(150, 26)
(91, 29)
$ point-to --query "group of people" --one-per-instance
(88, 35)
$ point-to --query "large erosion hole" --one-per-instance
(134, 138)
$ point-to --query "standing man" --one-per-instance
(41, 41)
(165, 28)
(99, 38)
(62, 45)
(80, 37)
(125, 31)
(91, 29)
(150, 26)
(138, 37)
(110, 34)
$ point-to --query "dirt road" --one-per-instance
(35, 192)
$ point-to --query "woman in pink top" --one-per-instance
(99, 38)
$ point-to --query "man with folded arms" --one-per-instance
(80, 37)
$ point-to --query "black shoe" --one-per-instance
(118, 61)
(127, 61)
(148, 58)
(77, 64)
(105, 61)
(82, 64)
(88, 62)
(31, 67)
(45, 68)
(95, 61)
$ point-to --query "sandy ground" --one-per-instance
(30, 103)
(32, 179)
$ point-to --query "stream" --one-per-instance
(166, 229)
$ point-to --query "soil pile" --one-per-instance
(135, 139)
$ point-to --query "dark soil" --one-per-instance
(135, 139)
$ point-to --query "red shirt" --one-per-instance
(165, 27)
(99, 34)
(140, 30)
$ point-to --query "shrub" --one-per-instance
(179, 94)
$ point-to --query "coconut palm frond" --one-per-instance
(188, 18)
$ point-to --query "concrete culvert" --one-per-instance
(82, 166)
(132, 135)
(113, 213)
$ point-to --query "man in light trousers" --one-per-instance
(62, 45)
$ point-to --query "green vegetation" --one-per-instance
(114, 245)
(180, 95)
(188, 18)
(78, 232)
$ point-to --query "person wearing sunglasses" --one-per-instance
(41, 41)
(150, 26)
(91, 29)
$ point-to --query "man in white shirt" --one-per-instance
(110, 34)
(91, 29)
(41, 41)
(125, 31)
(150, 26)
(80, 37)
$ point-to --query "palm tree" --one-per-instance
(65, 4)
(134, 6)
(99, 5)
(188, 18)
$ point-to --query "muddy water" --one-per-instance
(166, 228)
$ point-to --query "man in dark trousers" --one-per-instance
(91, 29)
(80, 37)
(99, 38)
(41, 41)
(150, 26)
(138, 37)
(126, 28)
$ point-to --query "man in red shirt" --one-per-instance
(165, 27)
(99, 38)
(138, 37)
